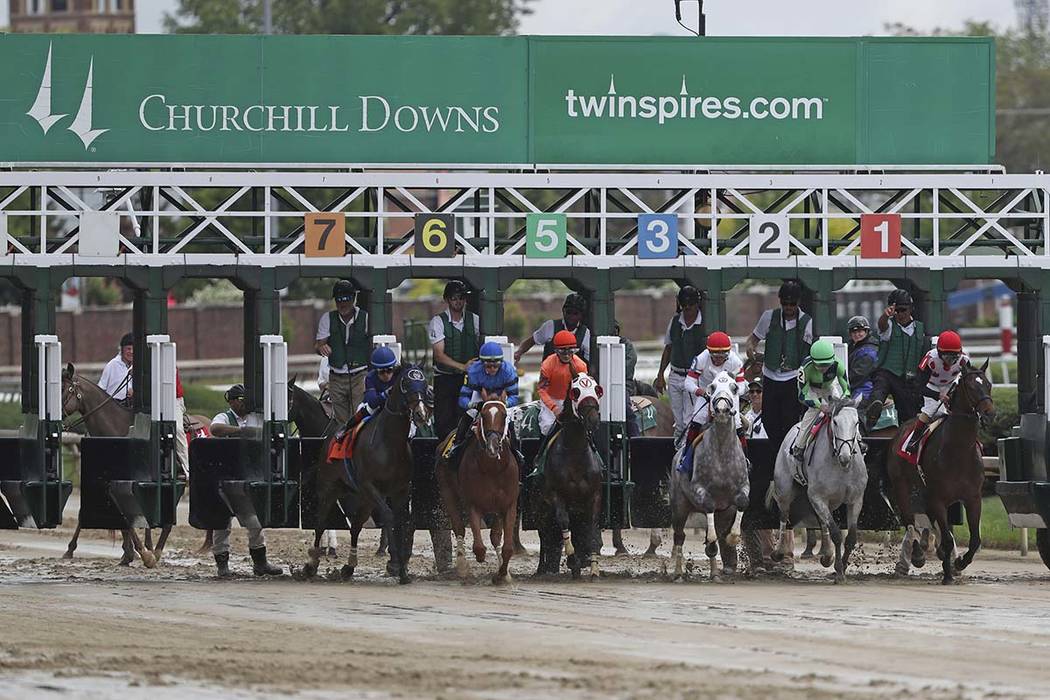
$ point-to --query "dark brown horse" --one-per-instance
(383, 466)
(572, 485)
(950, 470)
(486, 483)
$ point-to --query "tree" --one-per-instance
(1022, 91)
(349, 16)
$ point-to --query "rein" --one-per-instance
(78, 393)
(837, 443)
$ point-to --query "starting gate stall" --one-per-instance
(33, 490)
(132, 481)
(254, 476)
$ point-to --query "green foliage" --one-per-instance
(515, 325)
(1006, 416)
(10, 415)
(101, 291)
(202, 400)
(458, 17)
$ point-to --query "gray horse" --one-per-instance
(834, 474)
(717, 484)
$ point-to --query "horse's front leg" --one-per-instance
(679, 516)
(148, 559)
(727, 522)
(938, 514)
(973, 522)
(401, 537)
(852, 515)
(72, 547)
(510, 516)
(475, 532)
(149, 538)
(561, 518)
(455, 517)
(161, 541)
(829, 530)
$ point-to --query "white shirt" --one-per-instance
(941, 373)
(324, 331)
(545, 334)
(113, 376)
(762, 330)
(907, 330)
(703, 370)
(685, 326)
(322, 372)
(756, 429)
(252, 420)
(436, 327)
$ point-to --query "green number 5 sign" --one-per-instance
(545, 236)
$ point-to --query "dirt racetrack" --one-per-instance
(87, 628)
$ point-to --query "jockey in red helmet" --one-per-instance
(938, 372)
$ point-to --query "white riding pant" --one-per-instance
(808, 419)
(547, 417)
(220, 543)
(681, 402)
(933, 408)
(182, 445)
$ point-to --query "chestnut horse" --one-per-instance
(486, 483)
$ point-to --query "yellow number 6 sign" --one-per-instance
(435, 236)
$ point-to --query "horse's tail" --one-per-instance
(771, 493)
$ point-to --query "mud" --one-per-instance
(88, 628)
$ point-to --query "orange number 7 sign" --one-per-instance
(880, 235)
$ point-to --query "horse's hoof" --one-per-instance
(575, 574)
(479, 555)
(777, 556)
(825, 560)
(404, 579)
(621, 552)
(347, 572)
(650, 553)
(711, 550)
(958, 565)
(947, 580)
(148, 559)
(808, 554)
(503, 580)
(157, 554)
(68, 554)
(919, 562)
(733, 540)
(901, 570)
(840, 578)
(729, 571)
(125, 560)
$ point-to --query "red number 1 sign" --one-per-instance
(880, 235)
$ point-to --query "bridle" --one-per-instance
(483, 434)
(402, 402)
(76, 391)
(960, 385)
(837, 443)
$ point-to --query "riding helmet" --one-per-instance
(491, 351)
(564, 339)
(858, 322)
(822, 352)
(454, 288)
(575, 302)
(901, 297)
(719, 342)
(688, 295)
(383, 358)
(235, 392)
(126, 340)
(344, 290)
(790, 291)
(949, 341)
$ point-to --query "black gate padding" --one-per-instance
(104, 460)
(650, 461)
(10, 471)
(211, 460)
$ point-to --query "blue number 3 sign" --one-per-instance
(657, 236)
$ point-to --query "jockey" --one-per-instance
(379, 380)
(494, 376)
(820, 378)
(555, 380)
(938, 372)
(718, 357)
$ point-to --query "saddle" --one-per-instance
(914, 459)
(342, 446)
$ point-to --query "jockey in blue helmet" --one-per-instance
(490, 374)
(380, 378)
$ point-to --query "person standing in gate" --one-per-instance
(903, 344)
(753, 417)
(343, 337)
(233, 422)
(455, 336)
(572, 312)
(116, 376)
(630, 362)
(788, 332)
(683, 341)
(863, 356)
(182, 445)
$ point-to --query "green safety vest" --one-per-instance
(355, 352)
(232, 417)
(686, 344)
(559, 325)
(901, 354)
(785, 349)
(461, 346)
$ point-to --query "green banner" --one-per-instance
(495, 100)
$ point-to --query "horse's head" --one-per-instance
(584, 395)
(494, 426)
(72, 394)
(972, 393)
(412, 392)
(845, 429)
(725, 397)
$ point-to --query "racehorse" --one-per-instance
(950, 469)
(572, 483)
(835, 474)
(717, 484)
(383, 466)
(486, 483)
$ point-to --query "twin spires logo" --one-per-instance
(42, 110)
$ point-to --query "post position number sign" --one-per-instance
(880, 236)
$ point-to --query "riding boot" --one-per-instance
(686, 465)
(260, 566)
(873, 413)
(361, 414)
(456, 452)
(538, 462)
(916, 437)
(222, 563)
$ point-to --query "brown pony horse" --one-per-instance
(950, 470)
(486, 483)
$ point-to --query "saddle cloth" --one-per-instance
(645, 409)
(914, 458)
(343, 448)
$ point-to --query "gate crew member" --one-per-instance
(182, 444)
(683, 341)
(820, 379)
(555, 380)
(903, 344)
(788, 332)
(863, 356)
(755, 429)
(630, 361)
(938, 372)
(343, 337)
(571, 320)
(116, 376)
(235, 421)
(494, 376)
(455, 336)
